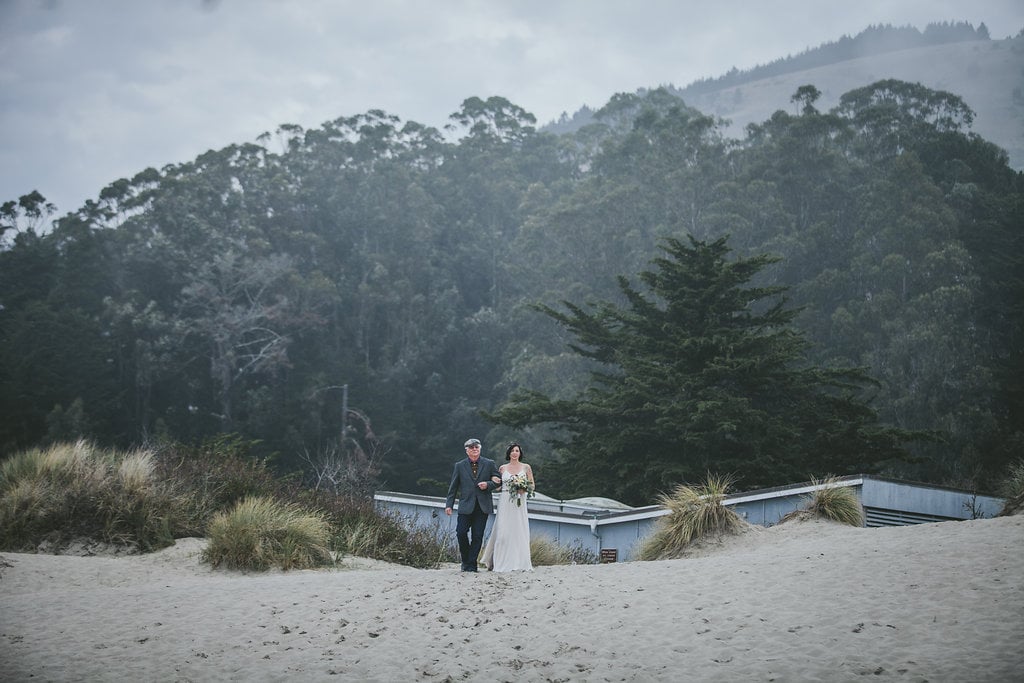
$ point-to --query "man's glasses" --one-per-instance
(473, 448)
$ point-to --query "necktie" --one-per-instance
(474, 465)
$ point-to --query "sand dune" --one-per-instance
(805, 601)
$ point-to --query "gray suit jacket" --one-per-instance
(465, 486)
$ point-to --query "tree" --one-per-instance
(495, 119)
(233, 307)
(25, 215)
(807, 95)
(703, 372)
(893, 116)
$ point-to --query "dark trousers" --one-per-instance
(469, 544)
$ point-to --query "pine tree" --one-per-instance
(702, 372)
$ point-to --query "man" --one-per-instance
(471, 480)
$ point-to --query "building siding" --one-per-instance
(594, 528)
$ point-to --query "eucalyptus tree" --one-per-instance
(891, 116)
(650, 179)
(879, 256)
(26, 214)
(52, 348)
(237, 309)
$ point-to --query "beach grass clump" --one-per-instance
(1013, 485)
(830, 500)
(695, 513)
(259, 533)
(836, 502)
(213, 478)
(544, 552)
(72, 464)
(26, 511)
(1012, 489)
(136, 509)
(74, 491)
(363, 530)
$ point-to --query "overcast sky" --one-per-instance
(96, 90)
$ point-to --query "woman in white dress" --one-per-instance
(508, 548)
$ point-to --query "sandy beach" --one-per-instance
(803, 601)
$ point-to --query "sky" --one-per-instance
(92, 91)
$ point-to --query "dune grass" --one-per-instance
(365, 531)
(695, 512)
(1013, 485)
(259, 533)
(68, 493)
(1012, 489)
(71, 491)
(544, 552)
(831, 500)
(836, 502)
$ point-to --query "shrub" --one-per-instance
(259, 533)
(694, 514)
(211, 479)
(1013, 489)
(70, 491)
(1013, 486)
(361, 529)
(146, 498)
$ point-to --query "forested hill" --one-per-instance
(639, 302)
(952, 57)
(871, 42)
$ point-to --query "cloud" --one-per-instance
(91, 92)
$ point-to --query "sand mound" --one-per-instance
(805, 601)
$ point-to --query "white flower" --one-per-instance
(519, 483)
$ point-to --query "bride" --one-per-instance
(508, 548)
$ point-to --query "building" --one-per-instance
(611, 530)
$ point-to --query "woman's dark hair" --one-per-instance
(508, 451)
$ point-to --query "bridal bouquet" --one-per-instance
(519, 483)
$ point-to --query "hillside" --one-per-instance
(987, 74)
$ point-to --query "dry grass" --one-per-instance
(361, 538)
(832, 500)
(1013, 490)
(71, 493)
(259, 533)
(135, 471)
(694, 514)
(544, 552)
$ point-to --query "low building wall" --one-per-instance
(612, 531)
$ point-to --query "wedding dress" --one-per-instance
(508, 548)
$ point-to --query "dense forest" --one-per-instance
(377, 288)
